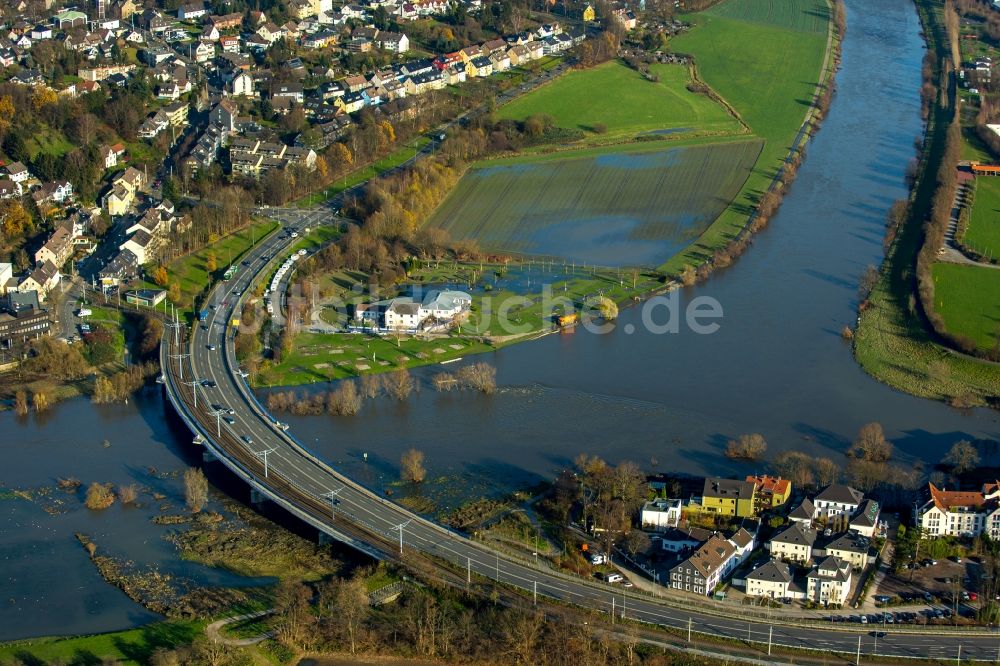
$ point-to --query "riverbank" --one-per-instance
(892, 341)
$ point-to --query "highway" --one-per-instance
(283, 470)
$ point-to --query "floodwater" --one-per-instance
(776, 366)
(47, 583)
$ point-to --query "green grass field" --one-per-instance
(611, 209)
(968, 298)
(794, 14)
(192, 270)
(617, 96)
(983, 234)
(769, 78)
(134, 646)
(320, 357)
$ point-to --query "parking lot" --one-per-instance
(928, 592)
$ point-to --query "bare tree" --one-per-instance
(636, 541)
(412, 463)
(345, 400)
(128, 493)
(371, 385)
(195, 489)
(871, 444)
(399, 384)
(352, 609)
(961, 457)
(826, 471)
(478, 376)
(747, 447)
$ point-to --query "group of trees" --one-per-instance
(347, 398)
(609, 496)
(428, 621)
(477, 377)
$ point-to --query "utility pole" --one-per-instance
(218, 422)
(689, 628)
(400, 528)
(770, 634)
(468, 581)
(857, 660)
(958, 659)
(263, 455)
(612, 609)
(194, 389)
(332, 496)
(535, 593)
(180, 365)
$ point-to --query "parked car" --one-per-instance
(614, 578)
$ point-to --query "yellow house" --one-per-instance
(772, 491)
(729, 497)
(588, 13)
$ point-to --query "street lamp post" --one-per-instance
(218, 422)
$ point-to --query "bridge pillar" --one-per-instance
(257, 497)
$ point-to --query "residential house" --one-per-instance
(227, 21)
(772, 491)
(241, 85)
(837, 500)
(9, 189)
(210, 33)
(42, 280)
(224, 115)
(704, 569)
(176, 113)
(229, 44)
(803, 513)
(729, 497)
(794, 543)
(588, 13)
(58, 248)
(17, 172)
(773, 580)
(291, 91)
(866, 522)
(56, 192)
(191, 11)
(108, 157)
(660, 514)
(393, 42)
(830, 582)
(681, 540)
(850, 547)
(270, 32)
(961, 513)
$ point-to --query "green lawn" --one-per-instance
(134, 646)
(968, 298)
(794, 14)
(390, 161)
(49, 141)
(618, 97)
(768, 72)
(983, 234)
(192, 270)
(320, 357)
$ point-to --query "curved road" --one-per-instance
(312, 490)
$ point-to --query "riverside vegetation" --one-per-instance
(902, 338)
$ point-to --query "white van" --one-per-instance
(598, 558)
(614, 578)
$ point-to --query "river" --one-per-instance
(776, 366)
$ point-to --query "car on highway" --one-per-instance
(210, 347)
(208, 383)
(248, 439)
(230, 420)
(229, 410)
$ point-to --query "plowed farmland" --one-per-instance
(609, 209)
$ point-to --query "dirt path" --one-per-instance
(214, 633)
